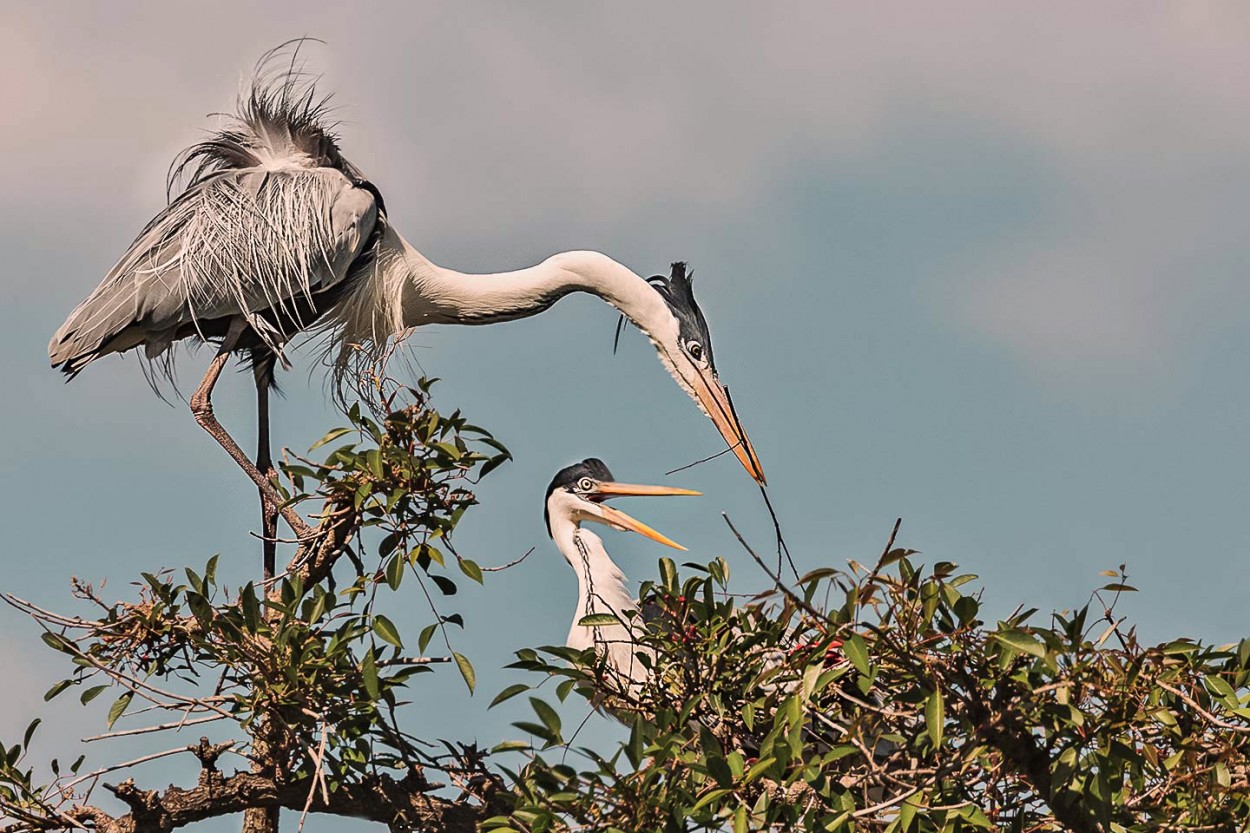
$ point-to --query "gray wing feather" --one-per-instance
(238, 243)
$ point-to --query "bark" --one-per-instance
(400, 804)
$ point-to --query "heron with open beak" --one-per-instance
(576, 497)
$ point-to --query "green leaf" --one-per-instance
(470, 569)
(58, 642)
(30, 731)
(384, 628)
(92, 693)
(547, 715)
(427, 633)
(251, 607)
(598, 620)
(708, 798)
(329, 438)
(935, 717)
(395, 571)
(1221, 689)
(369, 670)
(759, 768)
(668, 573)
(508, 693)
(466, 670)
(857, 652)
(1120, 588)
(57, 689)
(119, 707)
(1021, 641)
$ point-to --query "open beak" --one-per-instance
(620, 520)
(715, 401)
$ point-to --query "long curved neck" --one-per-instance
(601, 588)
(436, 295)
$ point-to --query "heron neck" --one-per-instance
(601, 585)
(436, 295)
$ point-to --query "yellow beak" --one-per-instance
(620, 520)
(716, 402)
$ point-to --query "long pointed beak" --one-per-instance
(716, 402)
(621, 489)
(620, 520)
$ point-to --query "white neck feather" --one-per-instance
(601, 588)
(405, 289)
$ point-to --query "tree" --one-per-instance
(859, 699)
(892, 707)
(307, 673)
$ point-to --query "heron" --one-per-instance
(270, 232)
(575, 497)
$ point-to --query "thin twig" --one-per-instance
(130, 763)
(509, 564)
(898, 799)
(1232, 727)
(146, 729)
(703, 460)
(317, 758)
(786, 591)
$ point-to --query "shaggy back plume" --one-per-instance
(280, 118)
(266, 220)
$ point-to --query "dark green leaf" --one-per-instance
(119, 707)
(508, 693)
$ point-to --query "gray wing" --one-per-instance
(241, 242)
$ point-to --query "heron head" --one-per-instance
(577, 494)
(685, 348)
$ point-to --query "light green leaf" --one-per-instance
(329, 438)
(1021, 641)
(466, 670)
(598, 620)
(470, 569)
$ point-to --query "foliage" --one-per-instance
(878, 699)
(310, 673)
(866, 699)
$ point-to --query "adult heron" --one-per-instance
(274, 232)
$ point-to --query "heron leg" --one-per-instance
(264, 464)
(202, 408)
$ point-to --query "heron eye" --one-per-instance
(695, 349)
(585, 484)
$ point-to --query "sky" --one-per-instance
(980, 266)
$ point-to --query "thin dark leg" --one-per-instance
(264, 464)
(202, 408)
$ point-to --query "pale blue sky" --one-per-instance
(983, 268)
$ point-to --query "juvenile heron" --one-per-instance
(273, 232)
(576, 497)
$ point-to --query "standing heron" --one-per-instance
(273, 232)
